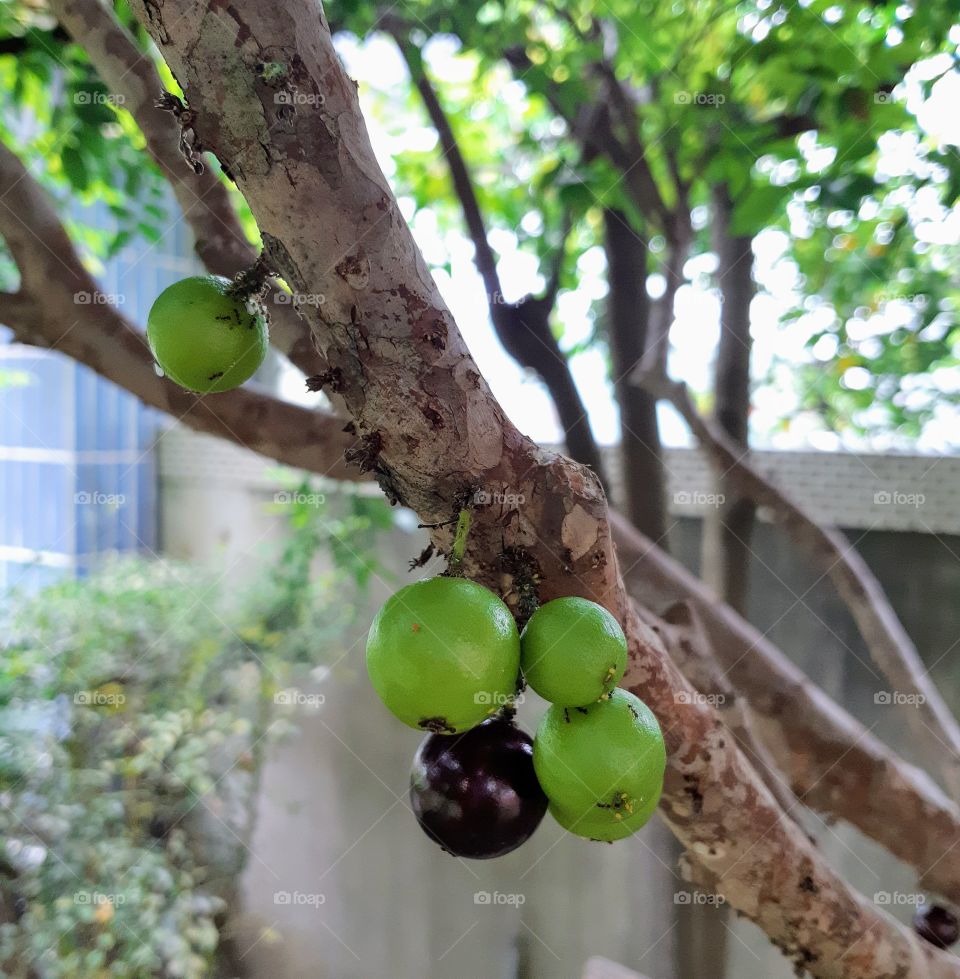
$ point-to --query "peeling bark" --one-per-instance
(683, 635)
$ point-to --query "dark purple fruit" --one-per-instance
(937, 925)
(476, 794)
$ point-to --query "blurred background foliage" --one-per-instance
(135, 709)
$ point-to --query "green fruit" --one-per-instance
(609, 756)
(605, 825)
(444, 654)
(203, 338)
(573, 652)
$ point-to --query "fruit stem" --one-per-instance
(251, 282)
(459, 542)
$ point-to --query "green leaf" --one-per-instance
(756, 208)
(75, 168)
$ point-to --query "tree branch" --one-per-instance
(433, 431)
(728, 529)
(628, 320)
(60, 307)
(219, 239)
(889, 645)
(523, 328)
(834, 764)
(689, 645)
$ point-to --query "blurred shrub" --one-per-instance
(134, 710)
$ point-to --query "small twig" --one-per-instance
(459, 543)
(251, 283)
(190, 144)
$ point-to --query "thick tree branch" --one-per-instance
(60, 307)
(728, 528)
(523, 328)
(834, 764)
(220, 241)
(433, 432)
(689, 644)
(886, 639)
(627, 320)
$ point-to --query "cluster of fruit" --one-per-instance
(445, 656)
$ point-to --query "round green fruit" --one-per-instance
(610, 755)
(605, 824)
(444, 654)
(573, 652)
(203, 338)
